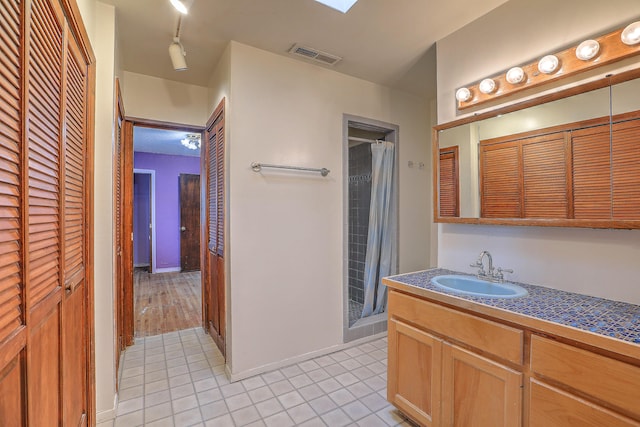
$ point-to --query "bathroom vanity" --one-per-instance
(550, 358)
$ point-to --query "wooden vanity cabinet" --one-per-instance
(572, 386)
(446, 367)
(449, 367)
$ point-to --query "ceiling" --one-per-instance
(161, 141)
(389, 42)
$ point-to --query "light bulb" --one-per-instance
(487, 86)
(631, 34)
(548, 64)
(587, 50)
(463, 94)
(515, 75)
(180, 6)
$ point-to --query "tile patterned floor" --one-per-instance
(177, 379)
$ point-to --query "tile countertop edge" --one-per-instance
(535, 324)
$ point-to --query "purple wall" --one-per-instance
(168, 170)
(141, 218)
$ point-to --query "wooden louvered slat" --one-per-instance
(545, 177)
(591, 173)
(211, 179)
(220, 189)
(448, 179)
(44, 83)
(500, 181)
(11, 281)
(74, 170)
(625, 161)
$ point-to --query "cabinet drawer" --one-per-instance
(550, 407)
(500, 340)
(606, 379)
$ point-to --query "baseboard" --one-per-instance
(141, 265)
(168, 270)
(238, 376)
(109, 414)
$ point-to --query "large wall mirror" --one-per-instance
(571, 161)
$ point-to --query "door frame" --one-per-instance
(152, 203)
(125, 285)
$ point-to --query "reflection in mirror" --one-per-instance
(467, 137)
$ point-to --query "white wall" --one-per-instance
(596, 262)
(163, 100)
(285, 229)
(102, 35)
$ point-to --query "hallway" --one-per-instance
(166, 302)
(177, 379)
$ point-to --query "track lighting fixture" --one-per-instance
(177, 54)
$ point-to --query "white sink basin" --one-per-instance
(468, 285)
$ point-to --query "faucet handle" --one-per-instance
(500, 273)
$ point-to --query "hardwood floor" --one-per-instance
(166, 302)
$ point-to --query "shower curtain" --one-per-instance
(381, 255)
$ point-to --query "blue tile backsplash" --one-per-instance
(610, 318)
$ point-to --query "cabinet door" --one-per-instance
(550, 407)
(479, 392)
(414, 372)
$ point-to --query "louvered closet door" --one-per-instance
(215, 291)
(591, 173)
(12, 329)
(44, 291)
(500, 181)
(625, 161)
(448, 178)
(74, 243)
(544, 162)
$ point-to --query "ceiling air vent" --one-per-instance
(314, 54)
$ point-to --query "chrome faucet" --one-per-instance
(492, 275)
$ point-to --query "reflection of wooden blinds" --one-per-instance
(544, 167)
(500, 183)
(591, 173)
(449, 189)
(626, 179)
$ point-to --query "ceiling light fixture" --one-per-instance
(587, 50)
(180, 6)
(176, 50)
(192, 141)
(631, 34)
(339, 5)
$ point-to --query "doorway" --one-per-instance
(370, 222)
(167, 294)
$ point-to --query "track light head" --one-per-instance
(177, 55)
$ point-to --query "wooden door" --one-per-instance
(414, 368)
(189, 222)
(213, 193)
(45, 217)
(74, 187)
(479, 392)
(117, 219)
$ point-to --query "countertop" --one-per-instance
(596, 316)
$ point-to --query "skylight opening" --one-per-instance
(340, 5)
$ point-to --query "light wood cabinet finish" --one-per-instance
(494, 374)
(609, 380)
(552, 407)
(478, 391)
(414, 385)
(485, 335)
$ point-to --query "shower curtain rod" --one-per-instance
(371, 141)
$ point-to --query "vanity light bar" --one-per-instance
(589, 54)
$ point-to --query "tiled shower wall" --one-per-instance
(359, 200)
